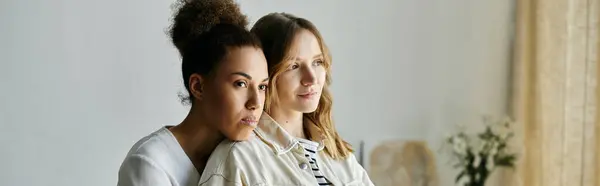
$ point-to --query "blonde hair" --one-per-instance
(276, 32)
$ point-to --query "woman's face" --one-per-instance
(233, 99)
(299, 86)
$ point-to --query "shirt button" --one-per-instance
(303, 166)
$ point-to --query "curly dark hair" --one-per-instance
(203, 31)
(195, 17)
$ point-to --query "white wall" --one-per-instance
(81, 81)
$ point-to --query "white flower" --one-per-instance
(494, 149)
(480, 147)
(504, 136)
(507, 121)
(490, 162)
(460, 145)
(465, 179)
(476, 160)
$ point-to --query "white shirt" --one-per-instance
(158, 160)
(310, 151)
(273, 157)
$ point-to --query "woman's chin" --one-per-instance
(244, 134)
(308, 108)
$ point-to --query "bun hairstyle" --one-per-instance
(203, 31)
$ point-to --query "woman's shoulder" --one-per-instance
(230, 146)
(230, 159)
(154, 145)
(157, 157)
(238, 151)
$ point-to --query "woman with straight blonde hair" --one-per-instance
(296, 142)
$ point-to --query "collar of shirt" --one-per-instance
(278, 139)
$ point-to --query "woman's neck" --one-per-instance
(197, 138)
(290, 120)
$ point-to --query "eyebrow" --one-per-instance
(298, 59)
(246, 76)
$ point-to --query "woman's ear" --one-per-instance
(196, 83)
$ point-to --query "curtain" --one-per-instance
(555, 94)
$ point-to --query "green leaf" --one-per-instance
(460, 176)
(507, 161)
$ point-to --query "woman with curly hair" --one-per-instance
(225, 73)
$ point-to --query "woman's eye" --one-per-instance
(318, 62)
(240, 84)
(263, 87)
(294, 66)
